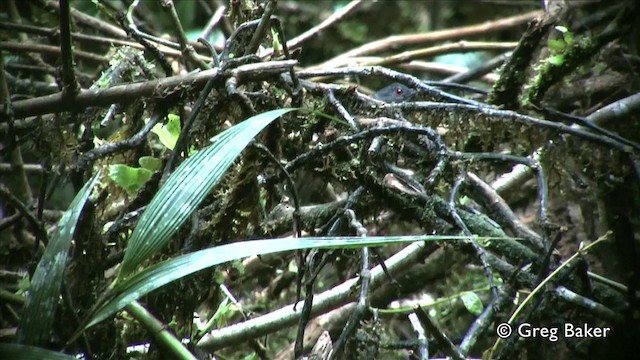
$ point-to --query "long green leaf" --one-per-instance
(44, 292)
(24, 352)
(187, 187)
(165, 272)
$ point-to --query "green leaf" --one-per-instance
(158, 275)
(223, 313)
(169, 133)
(187, 187)
(556, 46)
(24, 352)
(566, 34)
(568, 38)
(44, 292)
(150, 163)
(556, 60)
(275, 43)
(129, 178)
(472, 302)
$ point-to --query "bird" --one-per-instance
(394, 93)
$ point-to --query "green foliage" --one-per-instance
(129, 178)
(556, 60)
(131, 288)
(187, 187)
(150, 163)
(225, 311)
(275, 42)
(168, 133)
(557, 47)
(562, 53)
(472, 302)
(567, 35)
(44, 292)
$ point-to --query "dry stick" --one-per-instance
(40, 68)
(363, 300)
(310, 266)
(87, 159)
(314, 269)
(594, 307)
(482, 322)
(496, 204)
(460, 46)
(446, 70)
(14, 15)
(480, 251)
(91, 22)
(165, 46)
(422, 350)
(187, 49)
(508, 115)
(521, 173)
(213, 22)
(480, 71)
(181, 143)
(315, 329)
(70, 87)
(435, 330)
(542, 285)
(412, 81)
(297, 229)
(27, 86)
(155, 39)
(17, 184)
(127, 23)
(36, 225)
(331, 20)
(324, 302)
(157, 88)
(413, 39)
(7, 168)
(225, 56)
(132, 26)
(331, 98)
(578, 120)
(50, 32)
(543, 192)
(48, 49)
(259, 33)
(462, 87)
(361, 307)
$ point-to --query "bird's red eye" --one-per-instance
(399, 91)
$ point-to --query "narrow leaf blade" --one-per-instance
(187, 187)
(165, 272)
(44, 292)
